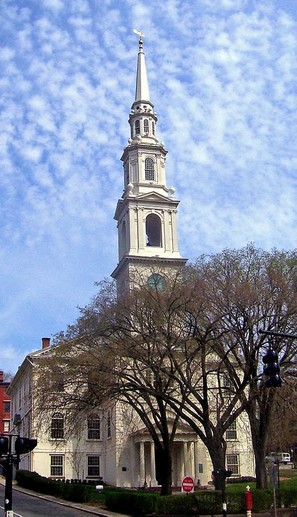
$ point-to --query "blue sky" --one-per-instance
(222, 77)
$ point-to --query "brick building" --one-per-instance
(4, 405)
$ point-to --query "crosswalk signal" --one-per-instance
(24, 445)
(272, 369)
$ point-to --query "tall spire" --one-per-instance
(142, 89)
(146, 212)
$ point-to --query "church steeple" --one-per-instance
(142, 89)
(146, 212)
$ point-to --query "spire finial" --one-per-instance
(142, 90)
(140, 34)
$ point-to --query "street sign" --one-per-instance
(188, 484)
(273, 475)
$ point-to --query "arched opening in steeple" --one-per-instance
(137, 127)
(153, 230)
(149, 169)
(146, 125)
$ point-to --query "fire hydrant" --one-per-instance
(248, 501)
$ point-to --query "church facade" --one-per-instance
(114, 444)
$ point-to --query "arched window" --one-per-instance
(153, 230)
(146, 125)
(153, 127)
(94, 427)
(57, 426)
(149, 169)
(137, 127)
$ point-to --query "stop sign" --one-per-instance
(188, 484)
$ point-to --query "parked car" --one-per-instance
(279, 457)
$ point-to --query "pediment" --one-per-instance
(153, 196)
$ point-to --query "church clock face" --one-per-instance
(156, 281)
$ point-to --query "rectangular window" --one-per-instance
(226, 386)
(231, 433)
(57, 426)
(93, 466)
(233, 463)
(57, 463)
(6, 406)
(57, 381)
(5, 426)
(94, 427)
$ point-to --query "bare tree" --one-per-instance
(249, 290)
(193, 347)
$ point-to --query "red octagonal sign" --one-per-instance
(188, 484)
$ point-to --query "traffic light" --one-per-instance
(24, 445)
(3, 445)
(272, 369)
(220, 476)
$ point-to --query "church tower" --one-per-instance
(146, 212)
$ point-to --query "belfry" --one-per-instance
(146, 212)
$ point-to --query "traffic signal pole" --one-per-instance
(22, 446)
(220, 477)
(279, 334)
(8, 481)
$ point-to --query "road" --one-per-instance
(26, 505)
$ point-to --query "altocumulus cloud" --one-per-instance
(222, 79)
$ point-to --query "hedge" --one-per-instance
(199, 503)
(287, 496)
(202, 502)
(131, 502)
(78, 493)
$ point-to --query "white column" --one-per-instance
(185, 462)
(196, 461)
(133, 465)
(153, 464)
(141, 464)
(192, 459)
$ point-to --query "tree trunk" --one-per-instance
(259, 413)
(164, 469)
(261, 474)
(217, 451)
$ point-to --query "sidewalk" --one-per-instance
(93, 510)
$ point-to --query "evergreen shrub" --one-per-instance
(262, 500)
(184, 504)
(209, 502)
(287, 496)
(71, 492)
(131, 502)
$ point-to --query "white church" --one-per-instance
(115, 446)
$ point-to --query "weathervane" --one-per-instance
(138, 33)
